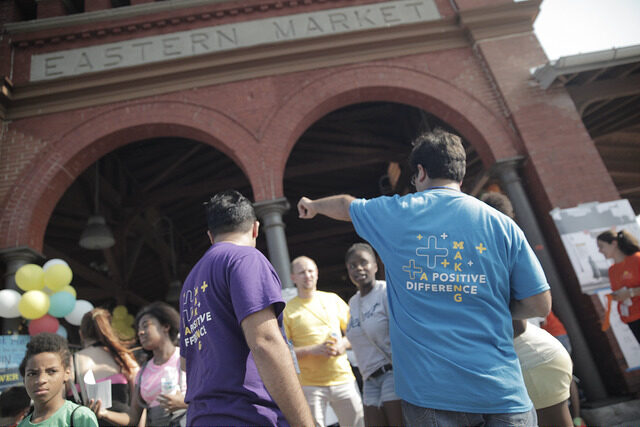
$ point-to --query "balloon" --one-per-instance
(119, 325)
(9, 299)
(52, 262)
(79, 310)
(57, 277)
(130, 319)
(30, 277)
(33, 304)
(45, 323)
(120, 312)
(62, 331)
(62, 303)
(71, 290)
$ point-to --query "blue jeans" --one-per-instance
(417, 416)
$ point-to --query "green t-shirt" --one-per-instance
(83, 417)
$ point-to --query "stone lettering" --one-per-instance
(199, 39)
(338, 19)
(142, 45)
(286, 33)
(171, 48)
(114, 54)
(50, 67)
(389, 14)
(84, 62)
(312, 25)
(233, 39)
(364, 18)
(415, 8)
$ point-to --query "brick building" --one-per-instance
(159, 104)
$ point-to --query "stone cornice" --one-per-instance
(142, 18)
(33, 99)
(502, 20)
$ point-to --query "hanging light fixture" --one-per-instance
(97, 234)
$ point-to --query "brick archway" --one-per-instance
(29, 205)
(484, 129)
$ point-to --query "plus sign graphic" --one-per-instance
(481, 248)
(432, 251)
(412, 269)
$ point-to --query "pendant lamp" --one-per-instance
(97, 234)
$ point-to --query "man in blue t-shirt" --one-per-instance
(239, 368)
(457, 272)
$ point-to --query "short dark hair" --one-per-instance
(627, 243)
(46, 342)
(229, 211)
(499, 202)
(441, 154)
(165, 314)
(359, 247)
(14, 401)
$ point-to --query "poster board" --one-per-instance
(579, 228)
(12, 350)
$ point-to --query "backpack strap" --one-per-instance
(143, 403)
(71, 417)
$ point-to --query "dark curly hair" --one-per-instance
(359, 247)
(46, 342)
(441, 154)
(499, 202)
(229, 211)
(166, 315)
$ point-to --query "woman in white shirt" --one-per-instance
(368, 332)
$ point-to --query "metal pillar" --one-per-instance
(585, 367)
(270, 213)
(14, 258)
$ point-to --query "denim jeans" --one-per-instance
(417, 416)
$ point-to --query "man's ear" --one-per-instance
(422, 173)
(256, 228)
(210, 236)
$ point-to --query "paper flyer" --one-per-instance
(97, 391)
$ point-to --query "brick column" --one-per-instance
(270, 213)
(14, 258)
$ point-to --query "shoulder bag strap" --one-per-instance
(74, 390)
(71, 417)
(143, 403)
(364, 331)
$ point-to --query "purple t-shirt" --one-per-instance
(228, 284)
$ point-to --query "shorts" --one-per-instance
(379, 389)
(548, 384)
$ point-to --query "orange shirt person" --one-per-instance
(624, 274)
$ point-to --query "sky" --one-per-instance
(568, 27)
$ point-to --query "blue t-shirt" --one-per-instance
(452, 265)
(229, 283)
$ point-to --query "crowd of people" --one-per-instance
(444, 340)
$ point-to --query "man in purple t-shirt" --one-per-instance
(239, 367)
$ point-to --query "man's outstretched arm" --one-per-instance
(275, 365)
(336, 207)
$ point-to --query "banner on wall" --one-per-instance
(579, 227)
(12, 349)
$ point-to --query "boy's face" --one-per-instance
(45, 376)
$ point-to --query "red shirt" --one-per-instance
(553, 325)
(627, 274)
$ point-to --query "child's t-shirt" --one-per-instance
(83, 417)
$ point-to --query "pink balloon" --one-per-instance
(46, 323)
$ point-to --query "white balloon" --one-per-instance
(9, 299)
(53, 262)
(79, 310)
(62, 331)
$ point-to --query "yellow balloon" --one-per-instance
(57, 277)
(70, 289)
(120, 312)
(129, 333)
(130, 319)
(33, 304)
(30, 277)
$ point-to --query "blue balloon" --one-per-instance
(62, 331)
(62, 303)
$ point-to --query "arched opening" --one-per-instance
(151, 193)
(361, 149)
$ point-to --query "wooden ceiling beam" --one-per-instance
(169, 170)
(585, 94)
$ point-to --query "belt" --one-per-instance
(381, 370)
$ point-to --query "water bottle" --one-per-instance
(169, 380)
